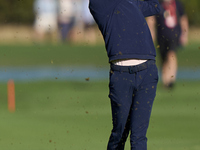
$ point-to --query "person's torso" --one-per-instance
(124, 29)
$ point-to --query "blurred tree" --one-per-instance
(192, 8)
(16, 11)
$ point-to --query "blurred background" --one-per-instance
(60, 73)
(46, 21)
(19, 20)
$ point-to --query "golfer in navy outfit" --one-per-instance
(133, 72)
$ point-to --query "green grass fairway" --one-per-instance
(66, 115)
(76, 116)
(37, 55)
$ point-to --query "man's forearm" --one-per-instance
(184, 24)
(184, 30)
(152, 26)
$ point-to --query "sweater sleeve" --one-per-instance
(102, 6)
(149, 7)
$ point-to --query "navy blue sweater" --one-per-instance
(124, 28)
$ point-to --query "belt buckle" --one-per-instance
(131, 69)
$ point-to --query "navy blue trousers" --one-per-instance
(132, 92)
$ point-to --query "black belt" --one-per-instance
(132, 69)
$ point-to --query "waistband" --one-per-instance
(132, 69)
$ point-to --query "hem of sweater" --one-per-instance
(135, 56)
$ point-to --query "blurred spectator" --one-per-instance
(45, 18)
(172, 32)
(87, 17)
(88, 23)
(84, 28)
(66, 18)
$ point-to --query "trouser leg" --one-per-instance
(141, 109)
(121, 100)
